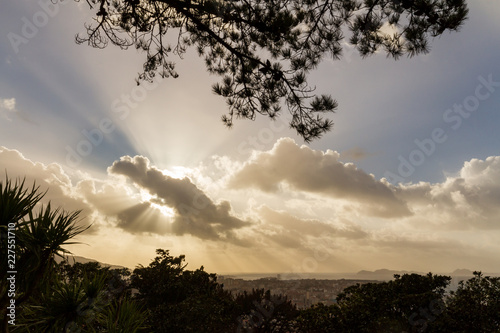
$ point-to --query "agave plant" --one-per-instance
(82, 304)
(47, 300)
(68, 306)
(37, 238)
(125, 317)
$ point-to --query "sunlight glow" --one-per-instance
(165, 210)
(177, 172)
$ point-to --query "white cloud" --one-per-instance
(49, 178)
(312, 171)
(291, 231)
(7, 105)
(111, 202)
(272, 229)
(468, 200)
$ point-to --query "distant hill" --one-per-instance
(387, 274)
(83, 260)
(382, 274)
(462, 272)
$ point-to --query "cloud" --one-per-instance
(291, 231)
(333, 244)
(312, 171)
(469, 199)
(143, 218)
(112, 203)
(141, 203)
(7, 105)
(195, 213)
(49, 178)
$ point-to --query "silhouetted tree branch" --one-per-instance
(263, 50)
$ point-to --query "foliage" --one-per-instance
(392, 306)
(263, 50)
(319, 318)
(51, 297)
(87, 297)
(180, 300)
(116, 279)
(410, 303)
(125, 317)
(474, 306)
(65, 306)
(84, 298)
(37, 238)
(263, 312)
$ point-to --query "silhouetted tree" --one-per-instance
(263, 50)
(116, 279)
(408, 303)
(260, 311)
(474, 306)
(179, 300)
(319, 318)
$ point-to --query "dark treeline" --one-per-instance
(166, 297)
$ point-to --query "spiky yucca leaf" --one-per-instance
(125, 317)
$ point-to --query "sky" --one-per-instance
(408, 179)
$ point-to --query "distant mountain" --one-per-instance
(383, 274)
(387, 274)
(462, 272)
(83, 260)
